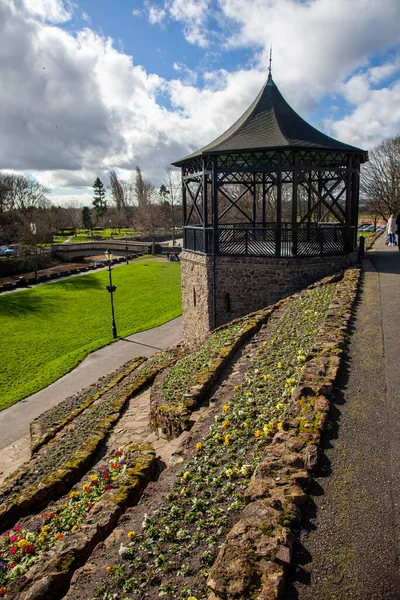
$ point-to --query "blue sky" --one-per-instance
(94, 85)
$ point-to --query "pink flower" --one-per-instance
(17, 527)
(13, 539)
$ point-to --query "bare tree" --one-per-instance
(380, 179)
(147, 210)
(25, 194)
(171, 193)
(117, 191)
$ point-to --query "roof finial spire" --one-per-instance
(270, 64)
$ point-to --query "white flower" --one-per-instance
(124, 551)
(144, 520)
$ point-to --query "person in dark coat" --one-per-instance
(398, 230)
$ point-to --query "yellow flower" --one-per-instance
(183, 491)
(74, 494)
(22, 543)
(266, 377)
(229, 472)
(45, 528)
(131, 535)
(279, 365)
(41, 538)
(279, 426)
(225, 424)
(278, 406)
(236, 387)
(192, 598)
(226, 440)
(216, 436)
(226, 406)
(108, 569)
(186, 475)
(257, 433)
(199, 446)
(74, 527)
(266, 428)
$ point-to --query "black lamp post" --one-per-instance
(111, 288)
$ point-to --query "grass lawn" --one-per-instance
(49, 329)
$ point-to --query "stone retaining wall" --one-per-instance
(243, 285)
(258, 548)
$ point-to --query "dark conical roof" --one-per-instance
(271, 123)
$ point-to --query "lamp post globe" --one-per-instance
(111, 288)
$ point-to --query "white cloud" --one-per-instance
(73, 106)
(53, 11)
(137, 13)
(156, 15)
(193, 15)
(376, 117)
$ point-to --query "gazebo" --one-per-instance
(272, 192)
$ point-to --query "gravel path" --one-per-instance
(349, 547)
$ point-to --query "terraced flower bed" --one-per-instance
(172, 554)
(45, 427)
(39, 555)
(62, 462)
(176, 392)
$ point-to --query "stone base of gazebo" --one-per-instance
(243, 285)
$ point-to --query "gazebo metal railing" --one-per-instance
(237, 239)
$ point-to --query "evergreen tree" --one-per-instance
(87, 218)
(99, 198)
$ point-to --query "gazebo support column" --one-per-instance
(278, 236)
(294, 208)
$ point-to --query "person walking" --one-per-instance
(392, 230)
(398, 231)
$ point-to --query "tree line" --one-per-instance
(28, 216)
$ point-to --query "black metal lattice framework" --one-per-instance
(319, 190)
(271, 185)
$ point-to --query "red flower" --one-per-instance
(30, 549)
(12, 565)
(17, 527)
(90, 505)
(13, 550)
(118, 453)
(105, 476)
(107, 487)
(59, 536)
(2, 591)
(13, 539)
(51, 516)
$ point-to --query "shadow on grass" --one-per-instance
(83, 282)
(14, 305)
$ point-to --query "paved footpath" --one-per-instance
(14, 421)
(350, 544)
